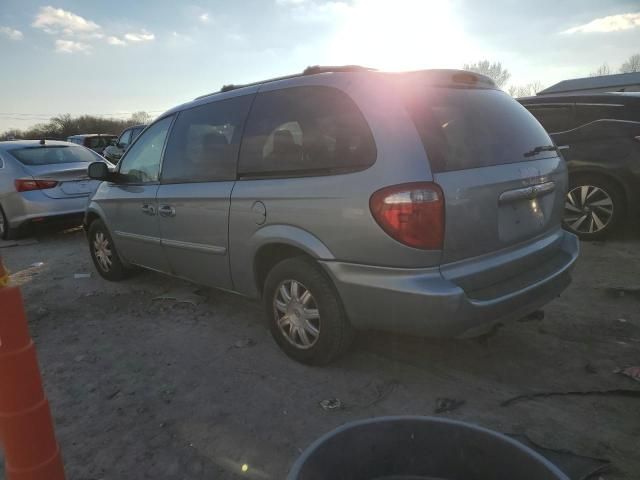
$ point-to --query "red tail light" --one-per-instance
(28, 184)
(412, 213)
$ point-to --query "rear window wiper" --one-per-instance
(540, 149)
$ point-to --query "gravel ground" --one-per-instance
(155, 388)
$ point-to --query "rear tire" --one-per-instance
(104, 255)
(6, 232)
(595, 206)
(305, 314)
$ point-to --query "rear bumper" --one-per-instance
(26, 207)
(432, 301)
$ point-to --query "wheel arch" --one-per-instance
(274, 243)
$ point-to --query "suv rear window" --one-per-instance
(52, 154)
(303, 131)
(471, 128)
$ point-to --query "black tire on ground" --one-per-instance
(112, 270)
(335, 332)
(6, 233)
(618, 200)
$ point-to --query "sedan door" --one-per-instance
(130, 206)
(198, 174)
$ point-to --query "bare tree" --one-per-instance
(527, 90)
(65, 125)
(140, 117)
(631, 65)
(493, 70)
(601, 71)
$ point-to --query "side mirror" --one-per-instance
(98, 171)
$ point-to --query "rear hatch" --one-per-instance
(503, 181)
(66, 165)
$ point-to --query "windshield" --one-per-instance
(54, 154)
(469, 128)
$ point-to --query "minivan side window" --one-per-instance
(303, 131)
(141, 163)
(554, 118)
(204, 142)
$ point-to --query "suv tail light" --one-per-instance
(412, 213)
(28, 184)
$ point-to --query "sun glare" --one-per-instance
(401, 35)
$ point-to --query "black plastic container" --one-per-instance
(414, 448)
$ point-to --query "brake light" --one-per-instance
(28, 184)
(411, 213)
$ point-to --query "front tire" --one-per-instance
(594, 206)
(305, 315)
(103, 253)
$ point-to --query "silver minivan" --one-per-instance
(426, 202)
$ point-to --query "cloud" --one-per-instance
(204, 17)
(316, 10)
(115, 41)
(612, 23)
(69, 46)
(143, 36)
(56, 20)
(11, 33)
(291, 2)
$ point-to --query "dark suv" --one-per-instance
(114, 151)
(602, 132)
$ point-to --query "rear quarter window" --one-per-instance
(54, 154)
(470, 128)
(304, 131)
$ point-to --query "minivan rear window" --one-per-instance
(471, 128)
(52, 154)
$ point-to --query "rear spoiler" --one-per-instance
(451, 78)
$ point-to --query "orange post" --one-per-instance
(26, 428)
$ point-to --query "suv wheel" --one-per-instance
(103, 252)
(305, 315)
(594, 206)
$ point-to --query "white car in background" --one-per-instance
(43, 181)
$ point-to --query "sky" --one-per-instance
(114, 57)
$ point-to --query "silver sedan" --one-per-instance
(42, 181)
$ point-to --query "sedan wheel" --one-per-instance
(588, 210)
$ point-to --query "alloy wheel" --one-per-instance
(103, 252)
(588, 209)
(296, 314)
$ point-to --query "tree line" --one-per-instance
(63, 126)
(500, 75)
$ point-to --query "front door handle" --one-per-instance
(167, 211)
(148, 209)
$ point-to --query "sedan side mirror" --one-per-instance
(98, 171)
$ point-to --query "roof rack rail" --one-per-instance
(311, 70)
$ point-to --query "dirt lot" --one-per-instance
(151, 388)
